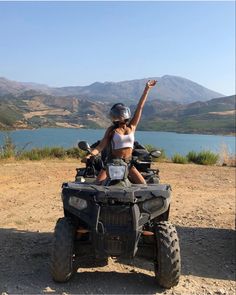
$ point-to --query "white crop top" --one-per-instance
(120, 141)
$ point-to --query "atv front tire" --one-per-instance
(63, 250)
(167, 255)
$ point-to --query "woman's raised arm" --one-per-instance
(138, 112)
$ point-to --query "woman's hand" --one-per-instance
(150, 84)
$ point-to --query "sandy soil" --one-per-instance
(203, 209)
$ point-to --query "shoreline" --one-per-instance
(75, 127)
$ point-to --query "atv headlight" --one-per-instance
(116, 171)
(78, 203)
(153, 205)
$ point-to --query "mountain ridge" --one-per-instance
(169, 87)
(36, 110)
(176, 104)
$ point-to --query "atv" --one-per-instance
(115, 219)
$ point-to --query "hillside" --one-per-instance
(216, 116)
(15, 87)
(33, 109)
(36, 111)
(170, 88)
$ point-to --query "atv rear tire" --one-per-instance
(167, 255)
(63, 250)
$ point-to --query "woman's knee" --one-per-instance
(101, 176)
(136, 176)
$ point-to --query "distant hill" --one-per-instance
(170, 88)
(216, 116)
(34, 109)
(15, 88)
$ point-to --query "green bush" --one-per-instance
(75, 153)
(35, 154)
(207, 158)
(57, 152)
(203, 157)
(42, 153)
(51, 152)
(179, 159)
(192, 157)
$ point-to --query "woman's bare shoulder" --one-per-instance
(109, 130)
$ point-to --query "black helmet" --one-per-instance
(119, 112)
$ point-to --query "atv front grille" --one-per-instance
(117, 225)
(115, 216)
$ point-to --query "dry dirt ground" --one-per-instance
(203, 209)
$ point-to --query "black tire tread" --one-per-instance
(167, 257)
(62, 250)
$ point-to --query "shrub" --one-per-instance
(33, 154)
(39, 154)
(75, 153)
(225, 158)
(8, 149)
(203, 157)
(57, 152)
(207, 158)
(51, 152)
(192, 157)
(179, 159)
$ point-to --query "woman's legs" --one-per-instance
(136, 176)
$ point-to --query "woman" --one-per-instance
(121, 135)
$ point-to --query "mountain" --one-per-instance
(15, 88)
(34, 109)
(216, 116)
(169, 88)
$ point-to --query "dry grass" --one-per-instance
(225, 158)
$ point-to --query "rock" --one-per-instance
(221, 292)
(48, 290)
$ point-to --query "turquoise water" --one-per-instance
(171, 142)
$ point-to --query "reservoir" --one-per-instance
(169, 141)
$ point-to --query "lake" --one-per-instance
(171, 142)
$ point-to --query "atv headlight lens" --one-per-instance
(116, 171)
(153, 205)
(78, 203)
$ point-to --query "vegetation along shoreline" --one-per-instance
(9, 151)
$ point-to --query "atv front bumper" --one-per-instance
(115, 215)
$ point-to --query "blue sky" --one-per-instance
(78, 43)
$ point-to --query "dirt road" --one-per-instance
(203, 209)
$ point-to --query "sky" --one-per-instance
(79, 43)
